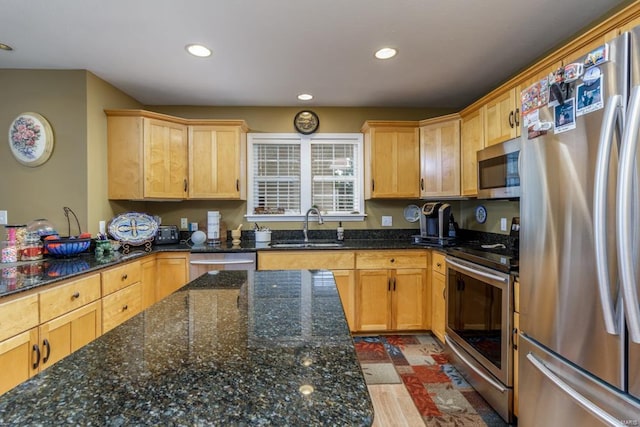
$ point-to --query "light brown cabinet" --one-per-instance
(472, 140)
(147, 156)
(502, 117)
(391, 291)
(391, 152)
(156, 156)
(440, 157)
(217, 161)
(438, 294)
(172, 272)
(149, 278)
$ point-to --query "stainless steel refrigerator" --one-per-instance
(579, 347)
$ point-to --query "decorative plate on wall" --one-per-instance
(31, 139)
(134, 228)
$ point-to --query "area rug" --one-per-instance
(441, 395)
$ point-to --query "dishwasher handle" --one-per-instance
(221, 262)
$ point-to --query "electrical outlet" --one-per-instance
(3, 218)
(503, 224)
(387, 221)
(184, 224)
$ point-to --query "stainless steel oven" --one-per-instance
(478, 330)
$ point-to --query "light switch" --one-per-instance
(3, 218)
(503, 224)
(184, 224)
(387, 221)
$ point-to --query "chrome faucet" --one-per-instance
(305, 229)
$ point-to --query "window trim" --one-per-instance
(305, 177)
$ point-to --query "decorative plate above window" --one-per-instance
(306, 122)
(31, 139)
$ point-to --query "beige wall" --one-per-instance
(28, 193)
(464, 213)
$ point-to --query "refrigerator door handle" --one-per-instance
(624, 221)
(580, 399)
(612, 116)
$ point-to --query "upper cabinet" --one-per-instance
(502, 117)
(440, 157)
(472, 140)
(155, 156)
(391, 151)
(217, 161)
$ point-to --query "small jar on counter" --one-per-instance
(8, 251)
(31, 249)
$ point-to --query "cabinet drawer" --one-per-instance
(438, 262)
(18, 315)
(391, 259)
(305, 260)
(120, 306)
(69, 296)
(120, 277)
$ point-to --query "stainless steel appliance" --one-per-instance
(479, 295)
(203, 262)
(434, 222)
(498, 171)
(580, 329)
(167, 235)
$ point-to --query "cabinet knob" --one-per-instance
(46, 345)
(439, 265)
(124, 307)
(511, 123)
(75, 295)
(186, 187)
(237, 185)
(124, 277)
(422, 184)
(392, 260)
(36, 349)
(517, 117)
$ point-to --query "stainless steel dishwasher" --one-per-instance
(200, 263)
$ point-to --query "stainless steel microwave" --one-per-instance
(499, 171)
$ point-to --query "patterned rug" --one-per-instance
(440, 394)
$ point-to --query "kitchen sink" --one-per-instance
(305, 245)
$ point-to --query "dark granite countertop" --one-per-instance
(234, 348)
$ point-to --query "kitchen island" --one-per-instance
(233, 348)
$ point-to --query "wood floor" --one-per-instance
(393, 406)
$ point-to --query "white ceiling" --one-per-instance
(266, 52)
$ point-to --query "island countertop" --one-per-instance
(233, 348)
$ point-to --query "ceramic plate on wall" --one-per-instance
(412, 213)
(31, 139)
(134, 228)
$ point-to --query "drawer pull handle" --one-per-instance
(124, 276)
(124, 307)
(37, 350)
(439, 265)
(46, 345)
(75, 295)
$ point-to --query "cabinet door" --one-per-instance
(173, 273)
(125, 154)
(438, 304)
(440, 159)
(516, 378)
(65, 334)
(165, 160)
(149, 281)
(501, 121)
(472, 140)
(346, 284)
(394, 163)
(373, 301)
(18, 359)
(409, 299)
(217, 162)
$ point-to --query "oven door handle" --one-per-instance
(478, 272)
(484, 376)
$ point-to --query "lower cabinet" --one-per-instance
(19, 353)
(392, 298)
(172, 272)
(149, 277)
(516, 334)
(438, 297)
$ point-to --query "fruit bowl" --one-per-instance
(66, 246)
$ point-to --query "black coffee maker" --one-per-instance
(434, 221)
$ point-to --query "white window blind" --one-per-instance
(289, 173)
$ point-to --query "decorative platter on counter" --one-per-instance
(412, 213)
(133, 228)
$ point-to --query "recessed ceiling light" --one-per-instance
(5, 46)
(386, 53)
(305, 97)
(198, 50)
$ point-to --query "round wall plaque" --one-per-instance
(31, 139)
